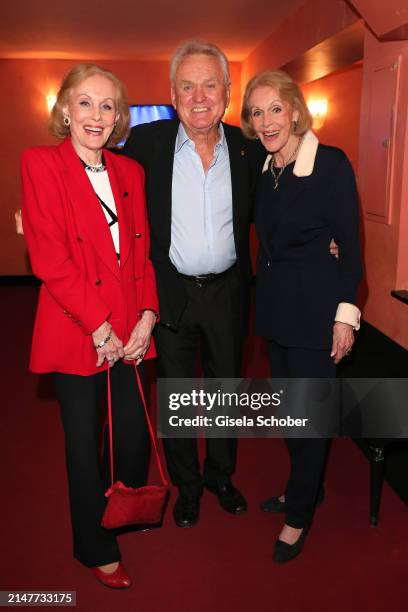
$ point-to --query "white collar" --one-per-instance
(305, 158)
(183, 138)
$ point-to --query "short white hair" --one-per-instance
(195, 47)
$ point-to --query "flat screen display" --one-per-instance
(145, 113)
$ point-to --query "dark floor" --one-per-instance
(223, 563)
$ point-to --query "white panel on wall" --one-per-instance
(378, 167)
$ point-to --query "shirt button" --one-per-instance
(268, 263)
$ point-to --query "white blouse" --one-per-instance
(100, 183)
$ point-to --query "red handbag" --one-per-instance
(128, 506)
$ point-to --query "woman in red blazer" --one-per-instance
(86, 230)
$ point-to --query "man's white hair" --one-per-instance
(194, 47)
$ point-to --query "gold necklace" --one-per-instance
(276, 176)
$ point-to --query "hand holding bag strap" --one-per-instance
(159, 464)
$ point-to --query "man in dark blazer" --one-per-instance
(200, 175)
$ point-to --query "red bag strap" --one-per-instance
(152, 436)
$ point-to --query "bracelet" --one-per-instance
(101, 344)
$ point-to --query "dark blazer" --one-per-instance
(299, 284)
(72, 252)
(153, 146)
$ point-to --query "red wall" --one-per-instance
(386, 251)
(311, 24)
(383, 17)
(342, 89)
(23, 123)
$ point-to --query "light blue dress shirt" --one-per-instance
(202, 237)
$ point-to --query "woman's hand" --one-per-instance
(112, 348)
(19, 222)
(334, 249)
(343, 340)
(139, 340)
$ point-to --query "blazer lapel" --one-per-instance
(91, 221)
(235, 151)
(293, 189)
(164, 146)
(124, 215)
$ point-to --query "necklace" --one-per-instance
(94, 168)
(276, 176)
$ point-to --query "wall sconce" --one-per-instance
(318, 110)
(51, 100)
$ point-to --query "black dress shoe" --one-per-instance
(229, 497)
(286, 552)
(186, 511)
(273, 504)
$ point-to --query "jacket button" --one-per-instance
(138, 235)
(98, 282)
(268, 263)
(125, 194)
(79, 239)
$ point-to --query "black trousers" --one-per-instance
(307, 455)
(82, 411)
(214, 326)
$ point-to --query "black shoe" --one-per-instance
(273, 504)
(286, 552)
(229, 497)
(186, 511)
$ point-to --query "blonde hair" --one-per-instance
(197, 47)
(288, 90)
(75, 76)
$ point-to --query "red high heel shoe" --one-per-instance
(118, 579)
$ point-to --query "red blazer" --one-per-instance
(72, 252)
